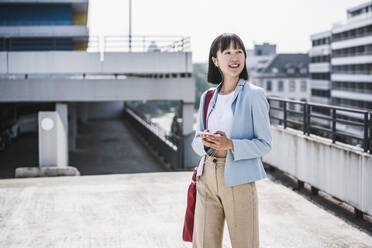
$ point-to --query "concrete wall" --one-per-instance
(340, 170)
(80, 90)
(70, 62)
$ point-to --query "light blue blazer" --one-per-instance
(250, 134)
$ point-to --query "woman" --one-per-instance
(238, 113)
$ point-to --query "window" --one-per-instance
(321, 93)
(303, 86)
(274, 70)
(269, 86)
(290, 70)
(292, 86)
(280, 86)
(303, 70)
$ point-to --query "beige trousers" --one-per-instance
(215, 201)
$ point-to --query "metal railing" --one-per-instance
(351, 54)
(353, 36)
(306, 120)
(356, 90)
(170, 148)
(99, 44)
(146, 43)
(353, 72)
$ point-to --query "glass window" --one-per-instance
(268, 86)
(280, 86)
(292, 86)
(303, 86)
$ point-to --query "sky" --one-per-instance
(286, 23)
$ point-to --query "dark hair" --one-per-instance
(222, 42)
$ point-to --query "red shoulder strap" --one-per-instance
(208, 97)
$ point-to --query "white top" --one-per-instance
(221, 117)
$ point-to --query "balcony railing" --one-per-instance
(366, 53)
(357, 72)
(99, 44)
(304, 120)
(146, 43)
(354, 36)
(357, 90)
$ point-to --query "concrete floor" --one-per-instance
(147, 210)
(139, 209)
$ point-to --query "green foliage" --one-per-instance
(201, 85)
(176, 127)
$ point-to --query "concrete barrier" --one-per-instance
(24, 172)
(341, 170)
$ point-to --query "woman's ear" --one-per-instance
(214, 61)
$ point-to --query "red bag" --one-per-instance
(188, 225)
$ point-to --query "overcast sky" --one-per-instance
(287, 23)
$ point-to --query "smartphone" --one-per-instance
(206, 133)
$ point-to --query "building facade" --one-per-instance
(259, 55)
(352, 59)
(39, 25)
(341, 62)
(285, 76)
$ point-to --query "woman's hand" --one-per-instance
(217, 143)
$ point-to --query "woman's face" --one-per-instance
(231, 61)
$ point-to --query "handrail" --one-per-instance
(304, 120)
(138, 43)
(170, 149)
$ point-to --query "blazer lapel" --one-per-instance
(238, 88)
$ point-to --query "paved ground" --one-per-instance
(139, 209)
(147, 210)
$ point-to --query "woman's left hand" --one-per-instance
(220, 142)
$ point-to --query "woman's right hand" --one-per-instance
(205, 140)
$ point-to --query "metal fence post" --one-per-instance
(333, 125)
(305, 118)
(366, 127)
(370, 132)
(308, 125)
(285, 114)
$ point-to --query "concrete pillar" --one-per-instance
(53, 146)
(187, 117)
(53, 139)
(72, 126)
(82, 112)
(190, 158)
(62, 110)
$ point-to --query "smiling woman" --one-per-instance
(231, 162)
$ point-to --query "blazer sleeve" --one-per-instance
(262, 141)
(197, 144)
